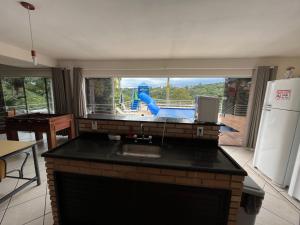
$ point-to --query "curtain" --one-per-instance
(260, 78)
(61, 80)
(79, 103)
(2, 113)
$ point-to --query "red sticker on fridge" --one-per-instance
(283, 94)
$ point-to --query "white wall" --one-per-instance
(23, 72)
(181, 67)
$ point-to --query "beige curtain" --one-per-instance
(79, 103)
(61, 80)
(2, 110)
(260, 78)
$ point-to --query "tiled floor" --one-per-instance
(32, 205)
(278, 207)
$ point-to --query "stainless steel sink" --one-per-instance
(138, 150)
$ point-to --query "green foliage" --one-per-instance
(216, 90)
(14, 93)
(179, 93)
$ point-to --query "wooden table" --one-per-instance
(11, 148)
(40, 123)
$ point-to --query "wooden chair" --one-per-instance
(10, 113)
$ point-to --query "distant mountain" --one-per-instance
(174, 82)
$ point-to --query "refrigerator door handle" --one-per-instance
(268, 106)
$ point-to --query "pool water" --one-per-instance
(177, 113)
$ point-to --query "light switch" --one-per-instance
(200, 131)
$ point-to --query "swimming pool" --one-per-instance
(182, 113)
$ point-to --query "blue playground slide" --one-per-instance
(154, 109)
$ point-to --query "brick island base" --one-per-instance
(138, 173)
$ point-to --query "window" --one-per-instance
(121, 95)
(14, 95)
(236, 95)
(28, 94)
(172, 97)
(100, 95)
(165, 93)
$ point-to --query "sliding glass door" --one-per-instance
(100, 95)
(27, 94)
(14, 94)
(234, 110)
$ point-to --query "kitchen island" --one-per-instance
(191, 182)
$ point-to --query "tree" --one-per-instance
(180, 94)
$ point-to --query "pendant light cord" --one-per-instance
(29, 19)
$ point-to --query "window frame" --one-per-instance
(47, 94)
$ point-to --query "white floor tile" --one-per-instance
(25, 212)
(256, 177)
(281, 208)
(38, 221)
(48, 219)
(48, 204)
(294, 201)
(31, 173)
(267, 218)
(30, 192)
(273, 191)
(1, 216)
(7, 185)
(4, 205)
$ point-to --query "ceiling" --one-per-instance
(155, 29)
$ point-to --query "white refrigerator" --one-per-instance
(279, 131)
(294, 189)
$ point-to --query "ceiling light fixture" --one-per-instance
(30, 8)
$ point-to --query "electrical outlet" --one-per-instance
(200, 131)
(94, 125)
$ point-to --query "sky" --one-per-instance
(175, 82)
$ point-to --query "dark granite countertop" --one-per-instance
(180, 154)
(144, 119)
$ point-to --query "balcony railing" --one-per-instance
(32, 108)
(237, 110)
(100, 108)
(175, 103)
(125, 107)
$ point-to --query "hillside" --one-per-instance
(180, 93)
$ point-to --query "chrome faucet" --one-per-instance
(142, 134)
